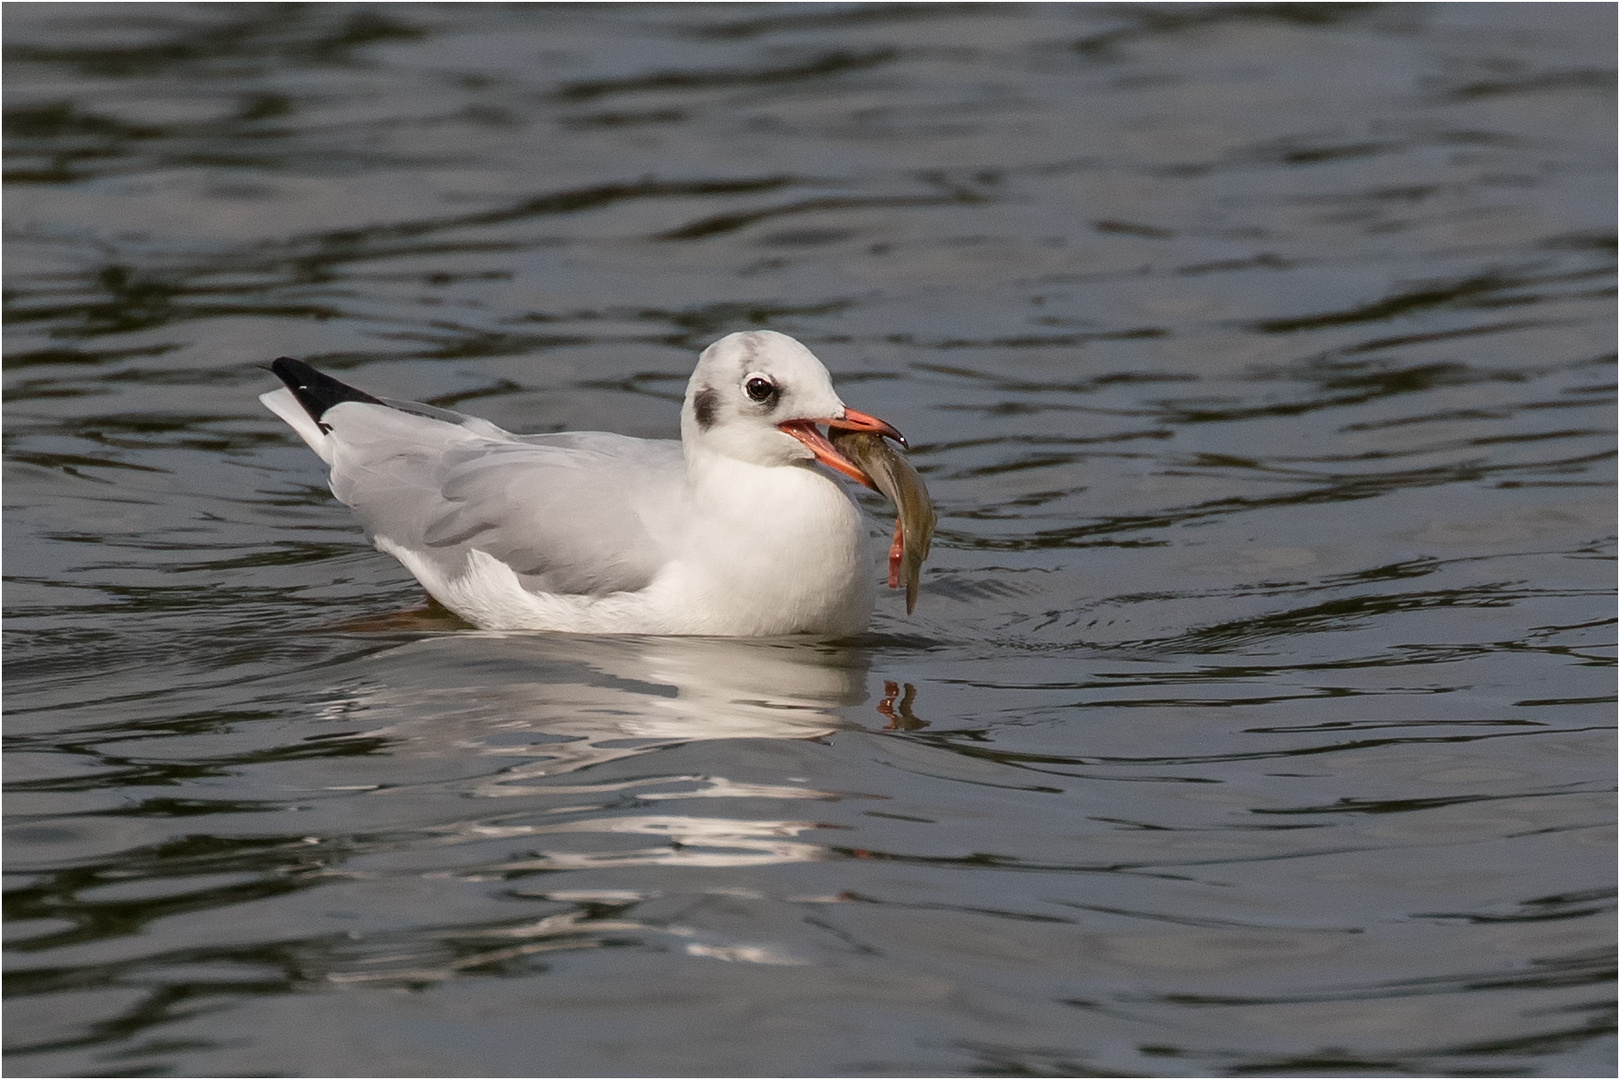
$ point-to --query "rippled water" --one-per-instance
(1255, 716)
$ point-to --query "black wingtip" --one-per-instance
(314, 391)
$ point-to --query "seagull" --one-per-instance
(731, 531)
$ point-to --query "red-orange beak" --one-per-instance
(826, 453)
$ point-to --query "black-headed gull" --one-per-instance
(730, 531)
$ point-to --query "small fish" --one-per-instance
(895, 478)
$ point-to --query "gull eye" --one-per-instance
(760, 388)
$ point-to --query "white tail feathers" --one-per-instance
(283, 404)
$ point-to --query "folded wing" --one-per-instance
(581, 513)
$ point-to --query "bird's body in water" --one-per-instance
(731, 531)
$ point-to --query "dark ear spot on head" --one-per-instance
(704, 402)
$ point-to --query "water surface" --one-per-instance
(1255, 717)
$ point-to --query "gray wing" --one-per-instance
(581, 513)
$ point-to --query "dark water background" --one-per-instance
(1255, 719)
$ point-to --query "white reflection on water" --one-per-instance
(423, 961)
(549, 726)
(591, 700)
(684, 841)
(565, 931)
(549, 707)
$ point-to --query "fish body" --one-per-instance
(893, 475)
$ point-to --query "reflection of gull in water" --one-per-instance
(555, 753)
(569, 703)
(554, 707)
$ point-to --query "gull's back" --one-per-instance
(580, 513)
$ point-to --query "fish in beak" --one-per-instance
(828, 454)
(895, 478)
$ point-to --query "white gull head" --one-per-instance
(756, 396)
